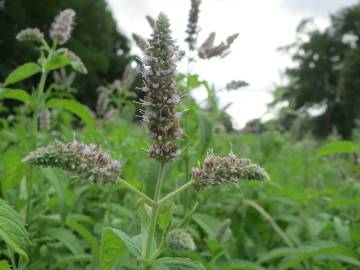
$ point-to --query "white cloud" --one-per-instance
(263, 26)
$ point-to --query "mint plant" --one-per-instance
(162, 120)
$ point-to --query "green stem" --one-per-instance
(136, 191)
(154, 213)
(172, 194)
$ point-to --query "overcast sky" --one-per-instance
(264, 25)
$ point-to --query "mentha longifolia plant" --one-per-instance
(161, 118)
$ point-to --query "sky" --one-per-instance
(263, 25)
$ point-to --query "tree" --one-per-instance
(326, 75)
(96, 39)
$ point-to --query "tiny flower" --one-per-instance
(62, 26)
(192, 26)
(84, 161)
(180, 239)
(207, 50)
(161, 97)
(233, 85)
(226, 170)
(30, 34)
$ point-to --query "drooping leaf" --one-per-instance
(339, 147)
(12, 230)
(22, 72)
(17, 94)
(324, 251)
(73, 106)
(67, 238)
(114, 244)
(4, 265)
(205, 130)
(177, 263)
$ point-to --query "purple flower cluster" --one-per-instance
(161, 96)
(62, 26)
(85, 161)
(226, 170)
(180, 239)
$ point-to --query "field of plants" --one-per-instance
(151, 178)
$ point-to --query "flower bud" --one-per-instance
(30, 34)
(180, 239)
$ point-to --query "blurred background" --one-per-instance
(300, 58)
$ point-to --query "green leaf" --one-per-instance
(338, 147)
(328, 251)
(166, 214)
(4, 265)
(342, 231)
(206, 132)
(240, 265)
(208, 223)
(115, 243)
(56, 62)
(85, 233)
(75, 107)
(17, 94)
(177, 263)
(67, 238)
(12, 230)
(275, 253)
(20, 73)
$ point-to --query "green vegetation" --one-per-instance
(193, 209)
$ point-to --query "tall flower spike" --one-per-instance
(30, 34)
(192, 26)
(62, 26)
(226, 170)
(85, 161)
(161, 96)
(45, 119)
(140, 42)
(207, 50)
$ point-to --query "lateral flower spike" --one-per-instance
(161, 97)
(84, 161)
(192, 26)
(226, 170)
(208, 50)
(179, 239)
(62, 26)
(30, 34)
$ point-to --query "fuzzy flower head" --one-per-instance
(161, 97)
(84, 161)
(180, 239)
(208, 50)
(30, 34)
(62, 26)
(192, 26)
(226, 170)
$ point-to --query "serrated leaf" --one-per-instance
(114, 243)
(73, 106)
(12, 230)
(22, 72)
(339, 147)
(17, 94)
(177, 263)
(56, 62)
